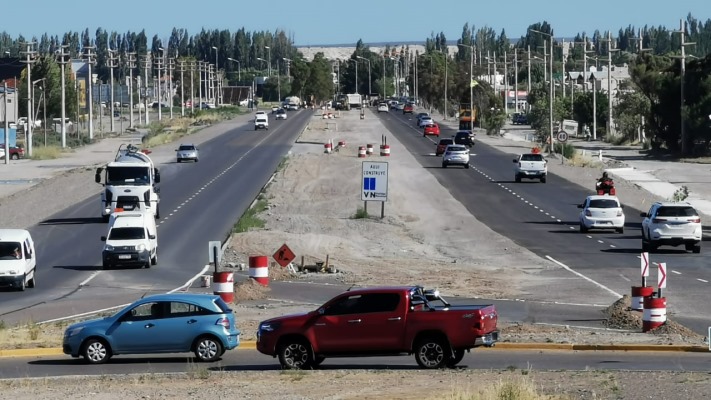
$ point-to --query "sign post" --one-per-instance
(562, 138)
(661, 279)
(214, 252)
(284, 256)
(375, 184)
(644, 264)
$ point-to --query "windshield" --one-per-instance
(127, 233)
(676, 212)
(186, 148)
(531, 157)
(10, 251)
(606, 203)
(127, 176)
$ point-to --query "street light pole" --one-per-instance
(29, 61)
(528, 89)
(113, 59)
(550, 91)
(63, 62)
(269, 61)
(239, 77)
(682, 33)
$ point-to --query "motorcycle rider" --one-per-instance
(605, 182)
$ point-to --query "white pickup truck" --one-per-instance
(530, 166)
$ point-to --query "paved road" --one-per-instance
(251, 360)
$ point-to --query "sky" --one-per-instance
(318, 22)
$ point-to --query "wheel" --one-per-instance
(318, 360)
(105, 265)
(457, 357)
(431, 353)
(196, 160)
(466, 166)
(543, 179)
(14, 157)
(147, 264)
(179, 161)
(157, 212)
(697, 249)
(105, 218)
(444, 165)
(208, 349)
(154, 259)
(620, 230)
(295, 354)
(32, 282)
(95, 351)
(23, 284)
(583, 228)
(517, 178)
(652, 247)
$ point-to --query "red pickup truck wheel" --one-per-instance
(295, 354)
(432, 353)
(458, 355)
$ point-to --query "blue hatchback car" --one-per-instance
(163, 323)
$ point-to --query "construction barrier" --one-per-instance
(327, 147)
(361, 151)
(259, 269)
(385, 150)
(638, 295)
(654, 314)
(369, 149)
(224, 285)
(341, 143)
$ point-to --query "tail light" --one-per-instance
(588, 213)
(696, 220)
(619, 213)
(224, 322)
(658, 220)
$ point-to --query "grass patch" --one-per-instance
(250, 219)
(198, 371)
(46, 153)
(294, 375)
(519, 389)
(360, 213)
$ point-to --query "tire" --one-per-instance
(295, 354)
(696, 249)
(105, 218)
(620, 230)
(466, 166)
(154, 259)
(652, 247)
(208, 349)
(14, 157)
(157, 212)
(318, 360)
(32, 283)
(179, 160)
(106, 266)
(444, 165)
(517, 178)
(432, 353)
(457, 357)
(23, 284)
(583, 228)
(96, 351)
(543, 179)
(196, 160)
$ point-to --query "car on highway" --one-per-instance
(187, 152)
(601, 212)
(424, 121)
(394, 104)
(431, 129)
(15, 152)
(671, 224)
(18, 261)
(280, 114)
(163, 323)
(419, 116)
(455, 154)
(383, 107)
(465, 138)
(442, 145)
(409, 108)
(519, 119)
(275, 108)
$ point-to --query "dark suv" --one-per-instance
(464, 137)
(519, 119)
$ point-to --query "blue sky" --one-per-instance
(314, 22)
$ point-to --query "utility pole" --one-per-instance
(516, 78)
(159, 66)
(170, 65)
(506, 83)
(609, 82)
(90, 83)
(31, 55)
(200, 69)
(682, 33)
(528, 89)
(131, 66)
(113, 63)
(192, 87)
(146, 67)
(182, 88)
(62, 60)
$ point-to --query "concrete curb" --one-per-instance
(252, 345)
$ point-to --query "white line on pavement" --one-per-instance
(598, 284)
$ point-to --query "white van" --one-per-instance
(261, 121)
(132, 240)
(18, 261)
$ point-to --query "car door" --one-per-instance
(187, 322)
(143, 329)
(338, 328)
(382, 325)
(646, 220)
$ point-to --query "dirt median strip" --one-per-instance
(252, 345)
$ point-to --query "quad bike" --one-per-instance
(606, 186)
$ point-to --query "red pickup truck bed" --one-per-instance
(380, 321)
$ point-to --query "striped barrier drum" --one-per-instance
(224, 285)
(655, 313)
(369, 149)
(638, 295)
(327, 147)
(385, 150)
(259, 269)
(361, 151)
(341, 143)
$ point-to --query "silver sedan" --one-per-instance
(187, 152)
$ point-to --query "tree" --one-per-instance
(319, 83)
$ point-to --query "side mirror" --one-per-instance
(151, 236)
(97, 175)
(580, 206)
(515, 160)
(643, 215)
(321, 311)
(103, 238)
(157, 173)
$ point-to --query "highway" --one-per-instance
(199, 202)
(251, 360)
(544, 219)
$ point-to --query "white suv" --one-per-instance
(671, 224)
(455, 154)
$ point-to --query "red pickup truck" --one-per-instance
(380, 321)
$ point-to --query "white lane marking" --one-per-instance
(676, 272)
(625, 278)
(600, 241)
(87, 280)
(598, 284)
(702, 280)
(191, 280)
(613, 246)
(75, 316)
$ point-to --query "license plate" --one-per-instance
(124, 256)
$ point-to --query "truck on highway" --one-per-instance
(130, 182)
(354, 100)
(467, 117)
(292, 103)
(531, 166)
(380, 321)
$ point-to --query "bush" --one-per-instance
(566, 149)
(360, 213)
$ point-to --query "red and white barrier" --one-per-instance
(638, 295)
(385, 150)
(259, 269)
(341, 143)
(327, 147)
(224, 285)
(655, 313)
(369, 149)
(361, 151)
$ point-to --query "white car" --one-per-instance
(280, 114)
(602, 212)
(455, 154)
(383, 107)
(187, 152)
(671, 224)
(424, 121)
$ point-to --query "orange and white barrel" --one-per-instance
(369, 149)
(638, 295)
(224, 285)
(361, 151)
(654, 314)
(327, 147)
(259, 269)
(385, 150)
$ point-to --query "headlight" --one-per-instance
(73, 331)
(141, 247)
(108, 247)
(269, 327)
